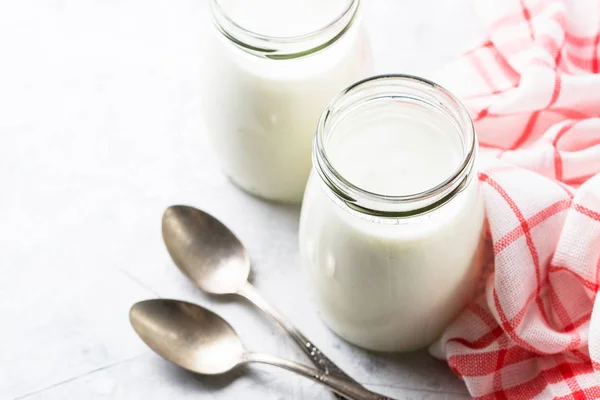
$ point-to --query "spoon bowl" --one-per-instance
(187, 335)
(205, 250)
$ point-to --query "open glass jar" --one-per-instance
(272, 67)
(392, 221)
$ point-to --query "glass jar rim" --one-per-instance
(397, 206)
(275, 47)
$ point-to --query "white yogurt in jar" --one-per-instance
(262, 107)
(392, 283)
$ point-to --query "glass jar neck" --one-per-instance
(418, 92)
(273, 47)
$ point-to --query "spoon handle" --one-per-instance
(350, 390)
(316, 356)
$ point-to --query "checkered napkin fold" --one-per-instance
(533, 90)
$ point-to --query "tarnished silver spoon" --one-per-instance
(200, 341)
(212, 257)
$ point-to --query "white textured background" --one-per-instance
(100, 130)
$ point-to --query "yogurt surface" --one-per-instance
(395, 149)
(283, 18)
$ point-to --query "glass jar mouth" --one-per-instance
(275, 47)
(393, 87)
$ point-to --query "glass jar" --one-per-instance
(392, 222)
(272, 66)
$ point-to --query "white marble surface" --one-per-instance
(100, 130)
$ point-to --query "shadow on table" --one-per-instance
(224, 383)
(190, 380)
(416, 370)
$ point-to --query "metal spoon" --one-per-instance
(200, 341)
(210, 255)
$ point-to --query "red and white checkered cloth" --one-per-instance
(533, 88)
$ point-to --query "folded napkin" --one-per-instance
(533, 90)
